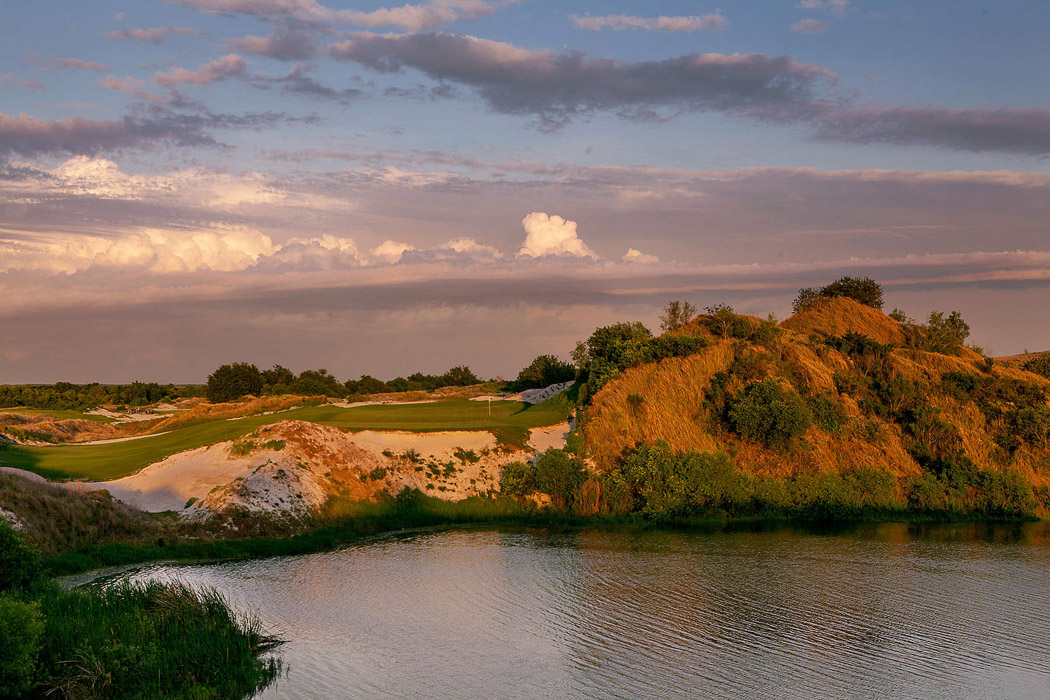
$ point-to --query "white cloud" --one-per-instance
(633, 255)
(837, 7)
(220, 248)
(390, 251)
(229, 66)
(552, 235)
(808, 26)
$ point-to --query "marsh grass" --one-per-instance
(151, 640)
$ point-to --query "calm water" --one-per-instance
(883, 612)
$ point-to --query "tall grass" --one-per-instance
(154, 640)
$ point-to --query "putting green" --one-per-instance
(509, 421)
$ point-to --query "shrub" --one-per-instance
(828, 415)
(377, 474)
(766, 412)
(943, 334)
(559, 474)
(242, 448)
(1039, 365)
(863, 289)
(664, 484)
(517, 479)
(21, 627)
(20, 570)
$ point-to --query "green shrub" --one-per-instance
(517, 479)
(828, 415)
(20, 570)
(242, 448)
(21, 627)
(1033, 425)
(1039, 365)
(770, 414)
(542, 372)
(559, 474)
(231, 382)
(377, 474)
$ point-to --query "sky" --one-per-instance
(384, 189)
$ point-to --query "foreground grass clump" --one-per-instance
(129, 641)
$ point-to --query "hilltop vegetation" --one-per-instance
(840, 409)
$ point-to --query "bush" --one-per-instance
(542, 372)
(943, 334)
(1039, 365)
(829, 415)
(766, 412)
(517, 479)
(559, 474)
(665, 485)
(864, 290)
(20, 570)
(21, 627)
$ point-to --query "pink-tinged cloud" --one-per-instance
(27, 135)
(80, 64)
(556, 86)
(808, 26)
(121, 84)
(284, 44)
(228, 66)
(153, 35)
(409, 17)
(713, 22)
(838, 7)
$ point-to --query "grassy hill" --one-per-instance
(840, 388)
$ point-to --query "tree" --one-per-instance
(542, 372)
(459, 376)
(861, 289)
(942, 334)
(231, 382)
(768, 413)
(723, 318)
(676, 314)
(278, 375)
(317, 383)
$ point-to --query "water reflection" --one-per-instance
(899, 610)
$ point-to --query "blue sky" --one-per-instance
(160, 160)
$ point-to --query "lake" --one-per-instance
(879, 611)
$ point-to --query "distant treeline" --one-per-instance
(67, 396)
(239, 379)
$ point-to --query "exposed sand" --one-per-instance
(356, 404)
(170, 483)
(542, 439)
(432, 444)
(32, 476)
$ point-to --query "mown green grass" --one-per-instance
(509, 420)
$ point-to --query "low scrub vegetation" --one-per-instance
(154, 640)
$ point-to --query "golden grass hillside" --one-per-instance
(872, 401)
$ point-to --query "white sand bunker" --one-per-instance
(429, 444)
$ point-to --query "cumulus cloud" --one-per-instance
(428, 15)
(80, 64)
(153, 35)
(229, 66)
(552, 235)
(808, 26)
(557, 86)
(715, 22)
(633, 255)
(390, 252)
(224, 249)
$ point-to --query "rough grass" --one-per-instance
(837, 316)
(509, 421)
(150, 641)
(57, 519)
